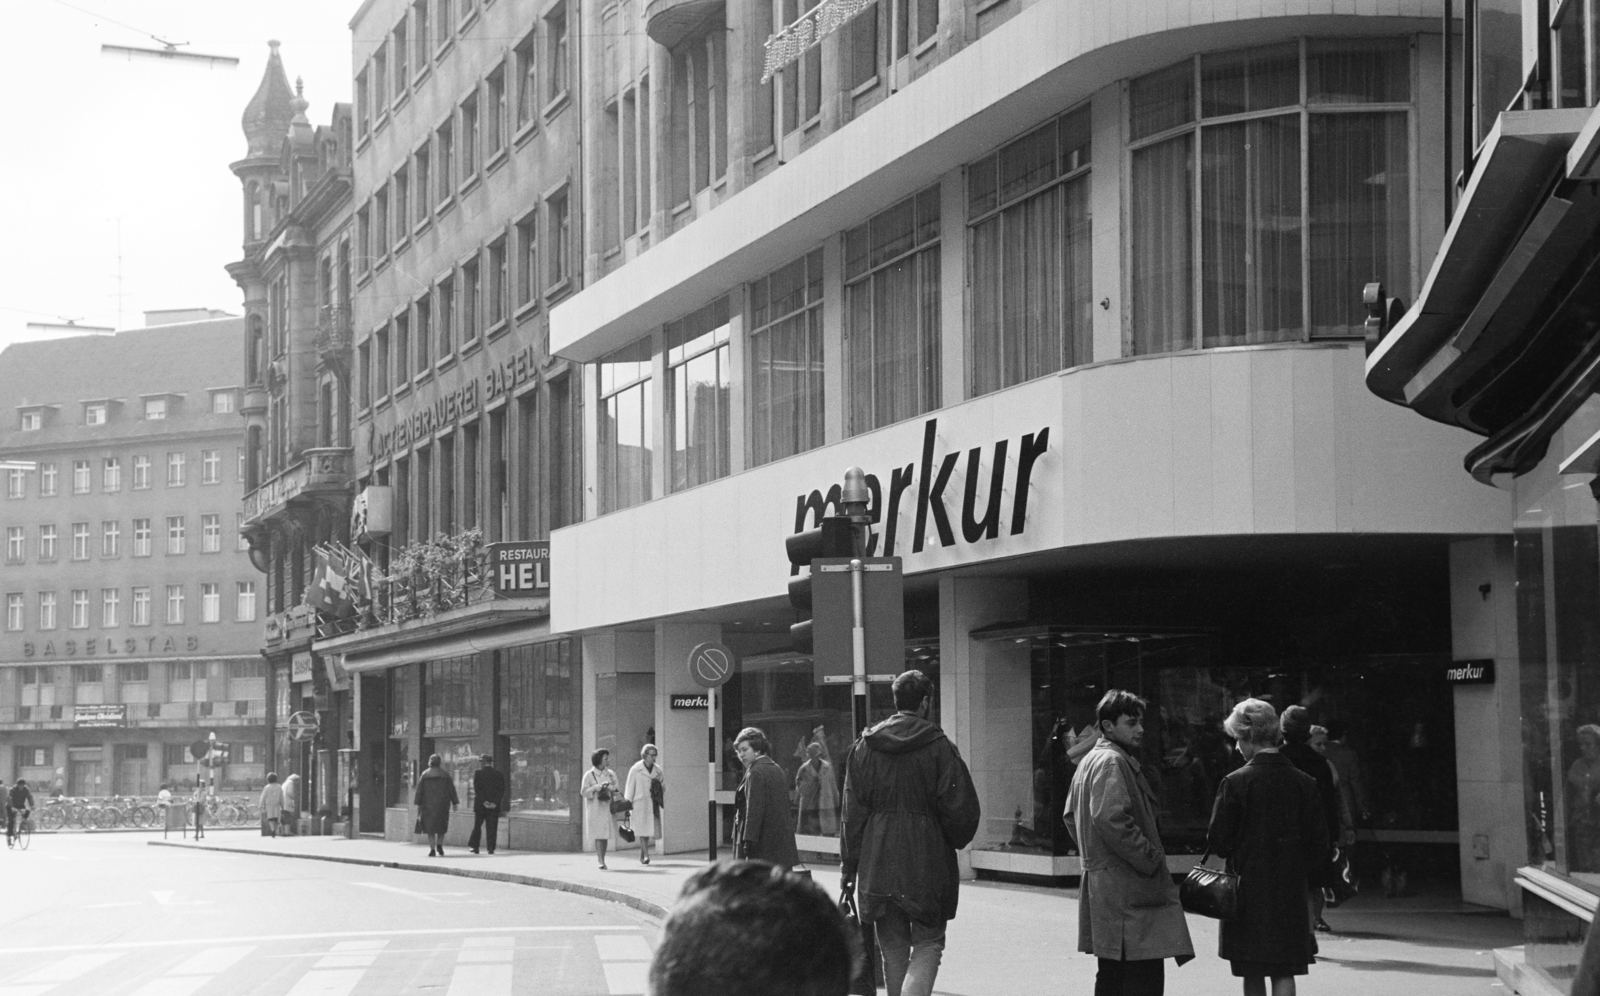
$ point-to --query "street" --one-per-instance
(109, 915)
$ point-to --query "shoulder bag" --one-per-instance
(1210, 892)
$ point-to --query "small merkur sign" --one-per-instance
(1479, 672)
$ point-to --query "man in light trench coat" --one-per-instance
(1128, 914)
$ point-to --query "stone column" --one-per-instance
(681, 736)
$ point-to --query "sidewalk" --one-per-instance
(1009, 939)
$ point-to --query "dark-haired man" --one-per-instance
(909, 804)
(488, 802)
(1129, 916)
(743, 927)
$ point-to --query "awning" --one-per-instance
(458, 645)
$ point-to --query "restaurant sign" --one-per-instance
(99, 715)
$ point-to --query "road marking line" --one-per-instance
(623, 948)
(24, 990)
(626, 978)
(485, 957)
(167, 897)
(271, 938)
(481, 980)
(352, 954)
(211, 961)
(172, 985)
(625, 959)
(338, 982)
(488, 942)
(347, 946)
(429, 897)
(68, 968)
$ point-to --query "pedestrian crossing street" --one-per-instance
(571, 961)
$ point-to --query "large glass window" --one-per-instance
(537, 699)
(1028, 208)
(1294, 162)
(786, 395)
(625, 430)
(698, 382)
(891, 342)
(450, 696)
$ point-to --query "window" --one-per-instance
(238, 459)
(450, 696)
(556, 209)
(32, 421)
(174, 603)
(625, 435)
(210, 602)
(16, 545)
(86, 679)
(527, 79)
(380, 363)
(1265, 142)
(186, 682)
(536, 710)
(786, 399)
(555, 33)
(245, 602)
(80, 608)
(211, 533)
(444, 151)
(210, 466)
(47, 480)
(155, 409)
(175, 531)
(402, 350)
(110, 602)
(698, 113)
(446, 297)
(861, 48)
(1029, 239)
(891, 304)
(380, 79)
(110, 538)
(424, 334)
(141, 605)
(47, 610)
(469, 137)
(915, 21)
(420, 35)
(498, 290)
(133, 672)
(94, 413)
(698, 382)
(363, 105)
(497, 109)
(527, 259)
(402, 52)
(222, 402)
(80, 541)
(111, 474)
(801, 80)
(363, 238)
(380, 222)
(422, 188)
(16, 483)
(141, 473)
(80, 477)
(14, 610)
(471, 290)
(141, 537)
(175, 470)
(247, 679)
(47, 542)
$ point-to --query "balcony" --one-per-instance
(669, 22)
(323, 475)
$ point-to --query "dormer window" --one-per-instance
(155, 408)
(32, 421)
(94, 413)
(223, 401)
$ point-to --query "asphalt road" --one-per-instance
(108, 915)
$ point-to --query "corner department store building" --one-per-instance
(1079, 285)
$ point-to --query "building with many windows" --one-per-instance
(132, 616)
(1079, 285)
(467, 194)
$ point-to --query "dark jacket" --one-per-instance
(1268, 823)
(488, 785)
(766, 830)
(909, 805)
(1306, 758)
(436, 793)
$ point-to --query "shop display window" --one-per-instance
(460, 757)
(536, 714)
(450, 696)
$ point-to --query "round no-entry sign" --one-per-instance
(302, 725)
(711, 664)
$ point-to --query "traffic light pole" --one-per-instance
(858, 648)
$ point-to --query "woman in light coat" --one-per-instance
(291, 805)
(642, 779)
(597, 821)
(271, 805)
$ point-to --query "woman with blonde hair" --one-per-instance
(646, 789)
(1267, 822)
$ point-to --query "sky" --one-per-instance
(118, 194)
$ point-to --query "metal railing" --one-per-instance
(419, 595)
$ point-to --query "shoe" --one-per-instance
(433, 852)
(645, 859)
(602, 866)
(475, 851)
(1322, 926)
(491, 851)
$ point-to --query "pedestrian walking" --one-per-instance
(489, 788)
(291, 805)
(197, 805)
(1129, 915)
(1295, 724)
(271, 806)
(747, 927)
(646, 789)
(598, 788)
(1267, 822)
(909, 805)
(763, 830)
(435, 796)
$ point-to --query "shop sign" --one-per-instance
(520, 569)
(99, 715)
(333, 668)
(372, 512)
(698, 701)
(1480, 672)
(918, 489)
(300, 666)
(276, 493)
(112, 647)
(517, 370)
(422, 422)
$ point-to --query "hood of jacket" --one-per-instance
(902, 733)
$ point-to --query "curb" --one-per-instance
(644, 906)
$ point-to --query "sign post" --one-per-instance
(710, 667)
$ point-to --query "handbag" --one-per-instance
(869, 970)
(1210, 892)
(1341, 880)
(621, 807)
(626, 832)
(417, 828)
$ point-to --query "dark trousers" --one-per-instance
(1146, 977)
(482, 818)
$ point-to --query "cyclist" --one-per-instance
(19, 802)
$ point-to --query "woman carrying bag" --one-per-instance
(646, 791)
(598, 790)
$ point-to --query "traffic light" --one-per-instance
(835, 538)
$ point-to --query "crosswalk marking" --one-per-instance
(335, 982)
(24, 990)
(625, 959)
(626, 978)
(172, 985)
(488, 942)
(211, 961)
(69, 968)
(622, 947)
(480, 980)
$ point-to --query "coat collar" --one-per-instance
(1108, 744)
(1275, 757)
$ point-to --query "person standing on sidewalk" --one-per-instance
(599, 785)
(435, 797)
(271, 806)
(645, 785)
(909, 805)
(488, 802)
(1129, 916)
(1296, 726)
(291, 805)
(763, 828)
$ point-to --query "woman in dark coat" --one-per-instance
(765, 830)
(1268, 823)
(435, 797)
